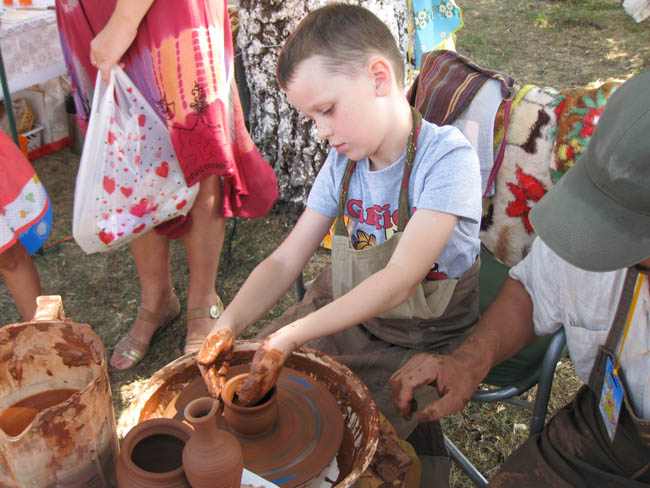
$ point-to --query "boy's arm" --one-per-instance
(424, 238)
(268, 282)
(420, 246)
(505, 329)
(107, 48)
(271, 279)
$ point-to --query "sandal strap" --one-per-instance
(131, 349)
(161, 320)
(204, 312)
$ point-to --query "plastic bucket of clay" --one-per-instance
(57, 426)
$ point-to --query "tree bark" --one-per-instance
(284, 137)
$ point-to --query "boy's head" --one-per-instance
(346, 36)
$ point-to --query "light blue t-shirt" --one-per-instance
(445, 177)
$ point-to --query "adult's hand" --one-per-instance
(453, 376)
(107, 48)
(214, 358)
(266, 367)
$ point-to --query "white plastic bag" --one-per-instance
(129, 178)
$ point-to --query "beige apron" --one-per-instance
(419, 320)
(436, 318)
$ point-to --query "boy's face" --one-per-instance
(344, 107)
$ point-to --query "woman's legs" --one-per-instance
(151, 255)
(22, 279)
(203, 243)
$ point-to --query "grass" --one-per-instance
(559, 43)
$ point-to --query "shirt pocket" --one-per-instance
(583, 344)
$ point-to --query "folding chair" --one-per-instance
(513, 377)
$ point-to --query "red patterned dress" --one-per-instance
(182, 61)
(23, 200)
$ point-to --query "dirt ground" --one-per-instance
(555, 43)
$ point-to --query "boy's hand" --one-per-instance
(454, 380)
(216, 348)
(266, 366)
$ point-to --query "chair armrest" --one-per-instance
(552, 356)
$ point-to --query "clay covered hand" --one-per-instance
(265, 368)
(450, 375)
(214, 358)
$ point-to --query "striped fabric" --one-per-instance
(447, 83)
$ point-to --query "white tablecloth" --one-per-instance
(31, 50)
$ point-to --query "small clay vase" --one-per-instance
(249, 421)
(211, 454)
(151, 455)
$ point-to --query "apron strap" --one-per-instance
(598, 371)
(403, 209)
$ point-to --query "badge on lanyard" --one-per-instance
(611, 399)
(611, 396)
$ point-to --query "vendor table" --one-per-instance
(30, 49)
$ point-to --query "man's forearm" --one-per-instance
(505, 329)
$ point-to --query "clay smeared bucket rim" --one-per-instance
(231, 387)
(142, 431)
(201, 410)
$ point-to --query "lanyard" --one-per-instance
(630, 313)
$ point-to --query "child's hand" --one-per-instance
(266, 366)
(217, 347)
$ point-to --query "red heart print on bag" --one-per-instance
(142, 119)
(163, 169)
(111, 137)
(181, 204)
(138, 228)
(126, 191)
(140, 209)
(108, 184)
(106, 237)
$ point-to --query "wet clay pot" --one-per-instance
(151, 455)
(248, 421)
(57, 426)
(211, 453)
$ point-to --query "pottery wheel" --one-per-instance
(305, 438)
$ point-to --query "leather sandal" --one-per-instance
(135, 350)
(212, 312)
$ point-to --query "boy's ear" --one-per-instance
(382, 75)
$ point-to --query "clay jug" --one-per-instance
(211, 453)
(248, 421)
(57, 426)
(151, 455)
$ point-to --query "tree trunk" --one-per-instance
(284, 137)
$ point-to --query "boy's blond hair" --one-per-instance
(345, 35)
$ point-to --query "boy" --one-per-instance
(406, 280)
